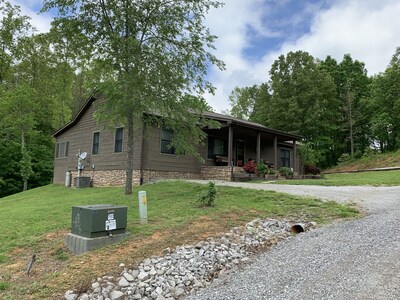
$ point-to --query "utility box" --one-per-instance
(92, 221)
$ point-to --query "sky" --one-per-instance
(254, 33)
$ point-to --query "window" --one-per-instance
(285, 158)
(166, 138)
(62, 149)
(119, 135)
(96, 143)
(217, 146)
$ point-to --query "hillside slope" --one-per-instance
(373, 161)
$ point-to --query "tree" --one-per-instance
(242, 101)
(18, 109)
(262, 103)
(303, 100)
(152, 56)
(353, 90)
(384, 106)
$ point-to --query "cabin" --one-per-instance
(225, 151)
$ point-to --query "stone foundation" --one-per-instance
(150, 175)
(220, 172)
(107, 178)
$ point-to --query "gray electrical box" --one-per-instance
(99, 220)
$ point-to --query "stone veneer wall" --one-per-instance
(219, 172)
(106, 178)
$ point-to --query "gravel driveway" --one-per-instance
(357, 259)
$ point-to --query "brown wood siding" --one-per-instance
(155, 160)
(80, 136)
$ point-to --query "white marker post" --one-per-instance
(143, 207)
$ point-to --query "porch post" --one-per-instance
(230, 146)
(276, 153)
(294, 156)
(258, 147)
(230, 150)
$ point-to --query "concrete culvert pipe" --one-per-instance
(297, 228)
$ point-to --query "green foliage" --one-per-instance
(285, 171)
(307, 154)
(345, 157)
(151, 56)
(3, 259)
(209, 196)
(262, 168)
(35, 80)
(381, 178)
(242, 101)
(60, 254)
(384, 106)
(4, 285)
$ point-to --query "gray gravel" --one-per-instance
(357, 259)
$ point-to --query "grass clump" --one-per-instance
(4, 285)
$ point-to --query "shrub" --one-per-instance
(285, 171)
(209, 196)
(250, 167)
(311, 169)
(345, 157)
(262, 168)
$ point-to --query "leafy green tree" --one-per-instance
(13, 28)
(151, 57)
(384, 106)
(242, 101)
(303, 100)
(18, 109)
(262, 103)
(26, 105)
(353, 90)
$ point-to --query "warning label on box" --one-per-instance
(111, 224)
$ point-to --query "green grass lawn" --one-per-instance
(27, 217)
(376, 178)
(32, 219)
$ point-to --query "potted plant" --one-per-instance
(250, 167)
(286, 172)
(262, 169)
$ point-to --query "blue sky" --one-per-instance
(253, 33)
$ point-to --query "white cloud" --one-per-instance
(367, 29)
(30, 8)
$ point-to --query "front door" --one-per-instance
(239, 153)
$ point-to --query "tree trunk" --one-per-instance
(349, 97)
(24, 170)
(129, 165)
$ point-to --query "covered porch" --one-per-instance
(238, 141)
